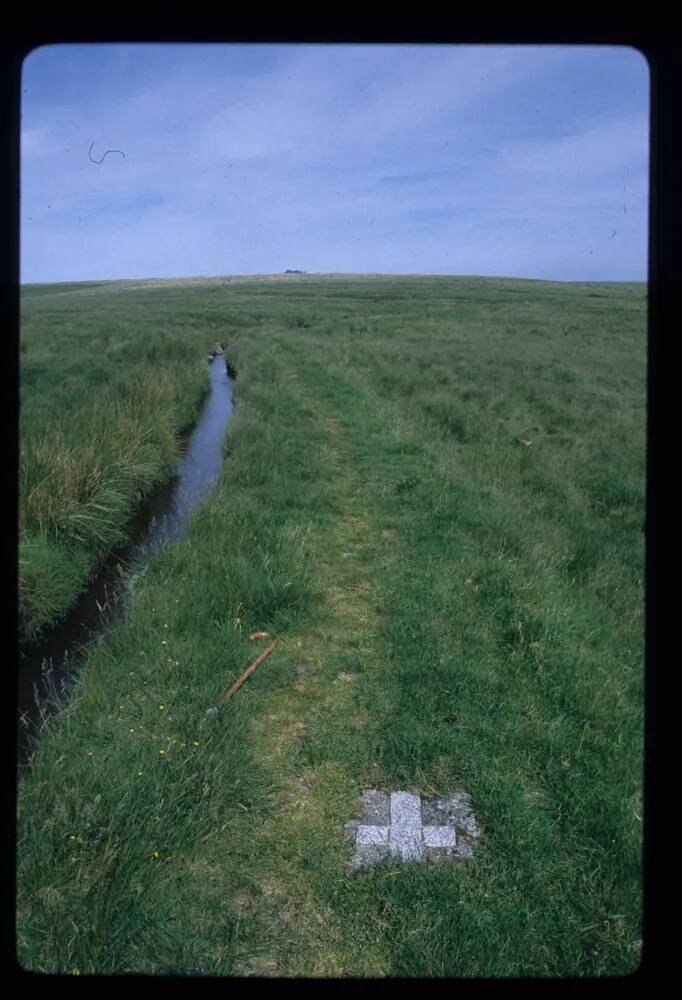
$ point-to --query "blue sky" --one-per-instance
(520, 161)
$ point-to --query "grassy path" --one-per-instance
(455, 702)
(321, 711)
(456, 611)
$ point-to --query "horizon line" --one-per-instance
(332, 274)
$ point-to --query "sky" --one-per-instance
(514, 161)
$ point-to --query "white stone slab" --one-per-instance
(439, 836)
(405, 837)
(377, 836)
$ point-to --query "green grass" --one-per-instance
(105, 394)
(434, 494)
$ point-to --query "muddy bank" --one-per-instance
(50, 665)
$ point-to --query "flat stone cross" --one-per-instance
(402, 826)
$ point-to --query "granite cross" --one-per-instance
(401, 826)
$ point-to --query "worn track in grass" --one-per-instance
(423, 499)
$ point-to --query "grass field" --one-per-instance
(104, 398)
(434, 494)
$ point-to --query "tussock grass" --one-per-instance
(434, 494)
(101, 414)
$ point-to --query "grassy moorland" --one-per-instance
(434, 494)
(104, 397)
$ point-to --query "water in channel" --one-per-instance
(47, 668)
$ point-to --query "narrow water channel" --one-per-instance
(51, 665)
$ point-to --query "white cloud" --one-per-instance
(242, 162)
(38, 143)
(602, 147)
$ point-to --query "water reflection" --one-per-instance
(49, 667)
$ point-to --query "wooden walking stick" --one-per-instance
(249, 670)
